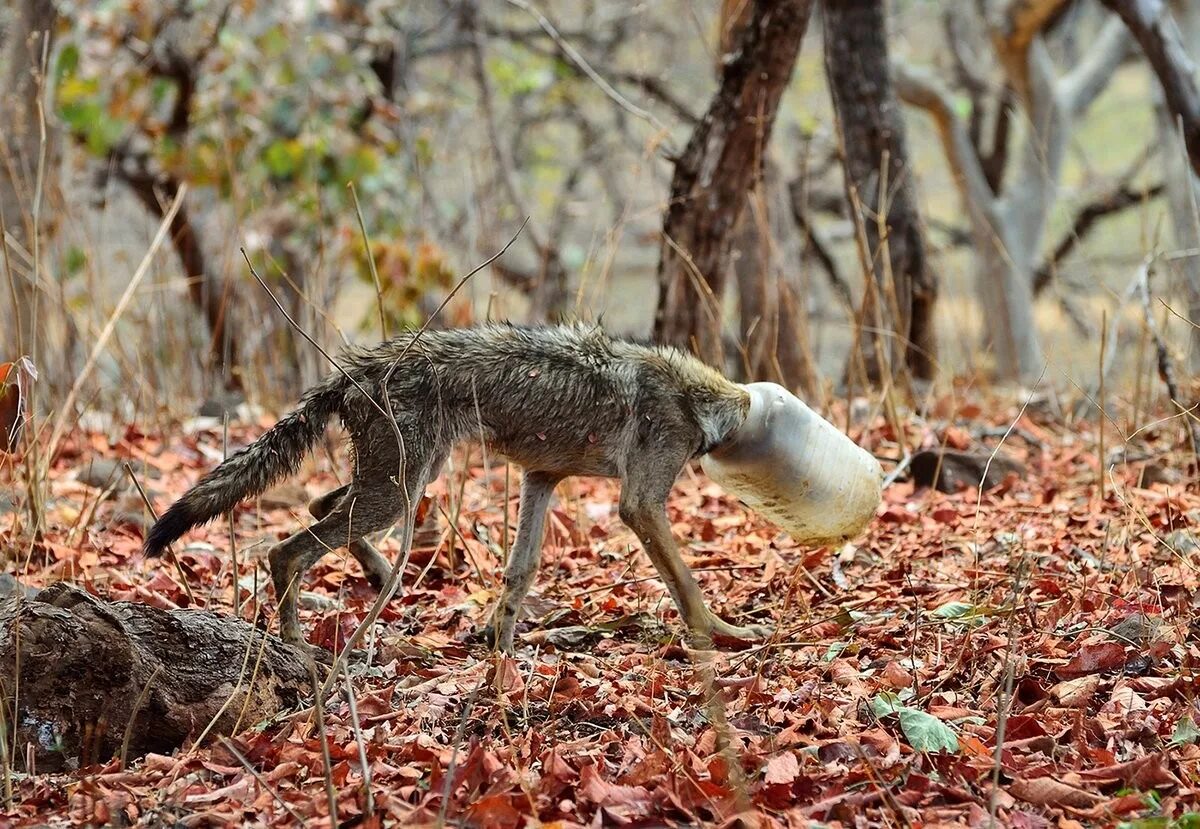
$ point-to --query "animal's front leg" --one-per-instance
(649, 521)
(524, 557)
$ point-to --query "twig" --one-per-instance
(362, 226)
(137, 706)
(1166, 367)
(262, 781)
(368, 796)
(584, 67)
(187, 588)
(101, 341)
(448, 786)
(319, 718)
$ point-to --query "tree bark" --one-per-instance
(773, 331)
(879, 183)
(1154, 28)
(715, 172)
(82, 671)
(1182, 182)
(20, 150)
(209, 293)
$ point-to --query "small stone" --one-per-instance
(103, 473)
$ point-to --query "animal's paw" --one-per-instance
(725, 632)
(486, 635)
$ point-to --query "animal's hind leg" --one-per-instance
(355, 515)
(374, 565)
(524, 557)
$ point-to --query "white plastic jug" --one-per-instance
(797, 469)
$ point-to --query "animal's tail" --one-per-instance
(252, 470)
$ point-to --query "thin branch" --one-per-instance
(1083, 84)
(1152, 25)
(1107, 204)
(918, 87)
(577, 59)
(817, 245)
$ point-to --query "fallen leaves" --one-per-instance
(878, 701)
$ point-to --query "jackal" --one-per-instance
(557, 401)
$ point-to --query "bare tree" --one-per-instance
(1008, 220)
(1165, 33)
(718, 167)
(21, 153)
(879, 187)
(1155, 29)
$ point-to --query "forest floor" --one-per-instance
(1039, 615)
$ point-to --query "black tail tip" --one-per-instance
(173, 523)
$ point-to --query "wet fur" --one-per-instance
(558, 401)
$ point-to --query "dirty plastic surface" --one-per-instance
(797, 469)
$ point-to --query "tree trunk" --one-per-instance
(1151, 23)
(773, 329)
(715, 172)
(212, 295)
(879, 184)
(1008, 228)
(81, 672)
(20, 150)
(1183, 185)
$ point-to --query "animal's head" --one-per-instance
(797, 469)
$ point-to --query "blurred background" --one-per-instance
(829, 196)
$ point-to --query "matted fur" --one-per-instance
(558, 401)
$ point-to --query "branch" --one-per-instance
(919, 88)
(1151, 23)
(1107, 204)
(817, 245)
(577, 60)
(1083, 84)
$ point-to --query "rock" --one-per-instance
(10, 587)
(1159, 472)
(1135, 629)
(102, 473)
(1183, 542)
(958, 470)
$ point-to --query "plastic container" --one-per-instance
(797, 469)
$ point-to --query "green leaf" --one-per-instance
(953, 610)
(885, 704)
(1159, 822)
(1185, 732)
(68, 62)
(283, 159)
(926, 732)
(74, 260)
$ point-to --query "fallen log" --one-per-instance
(83, 675)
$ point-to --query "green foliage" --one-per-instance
(281, 113)
(1185, 732)
(923, 731)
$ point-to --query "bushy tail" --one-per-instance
(276, 454)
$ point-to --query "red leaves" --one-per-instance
(602, 719)
(1106, 656)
